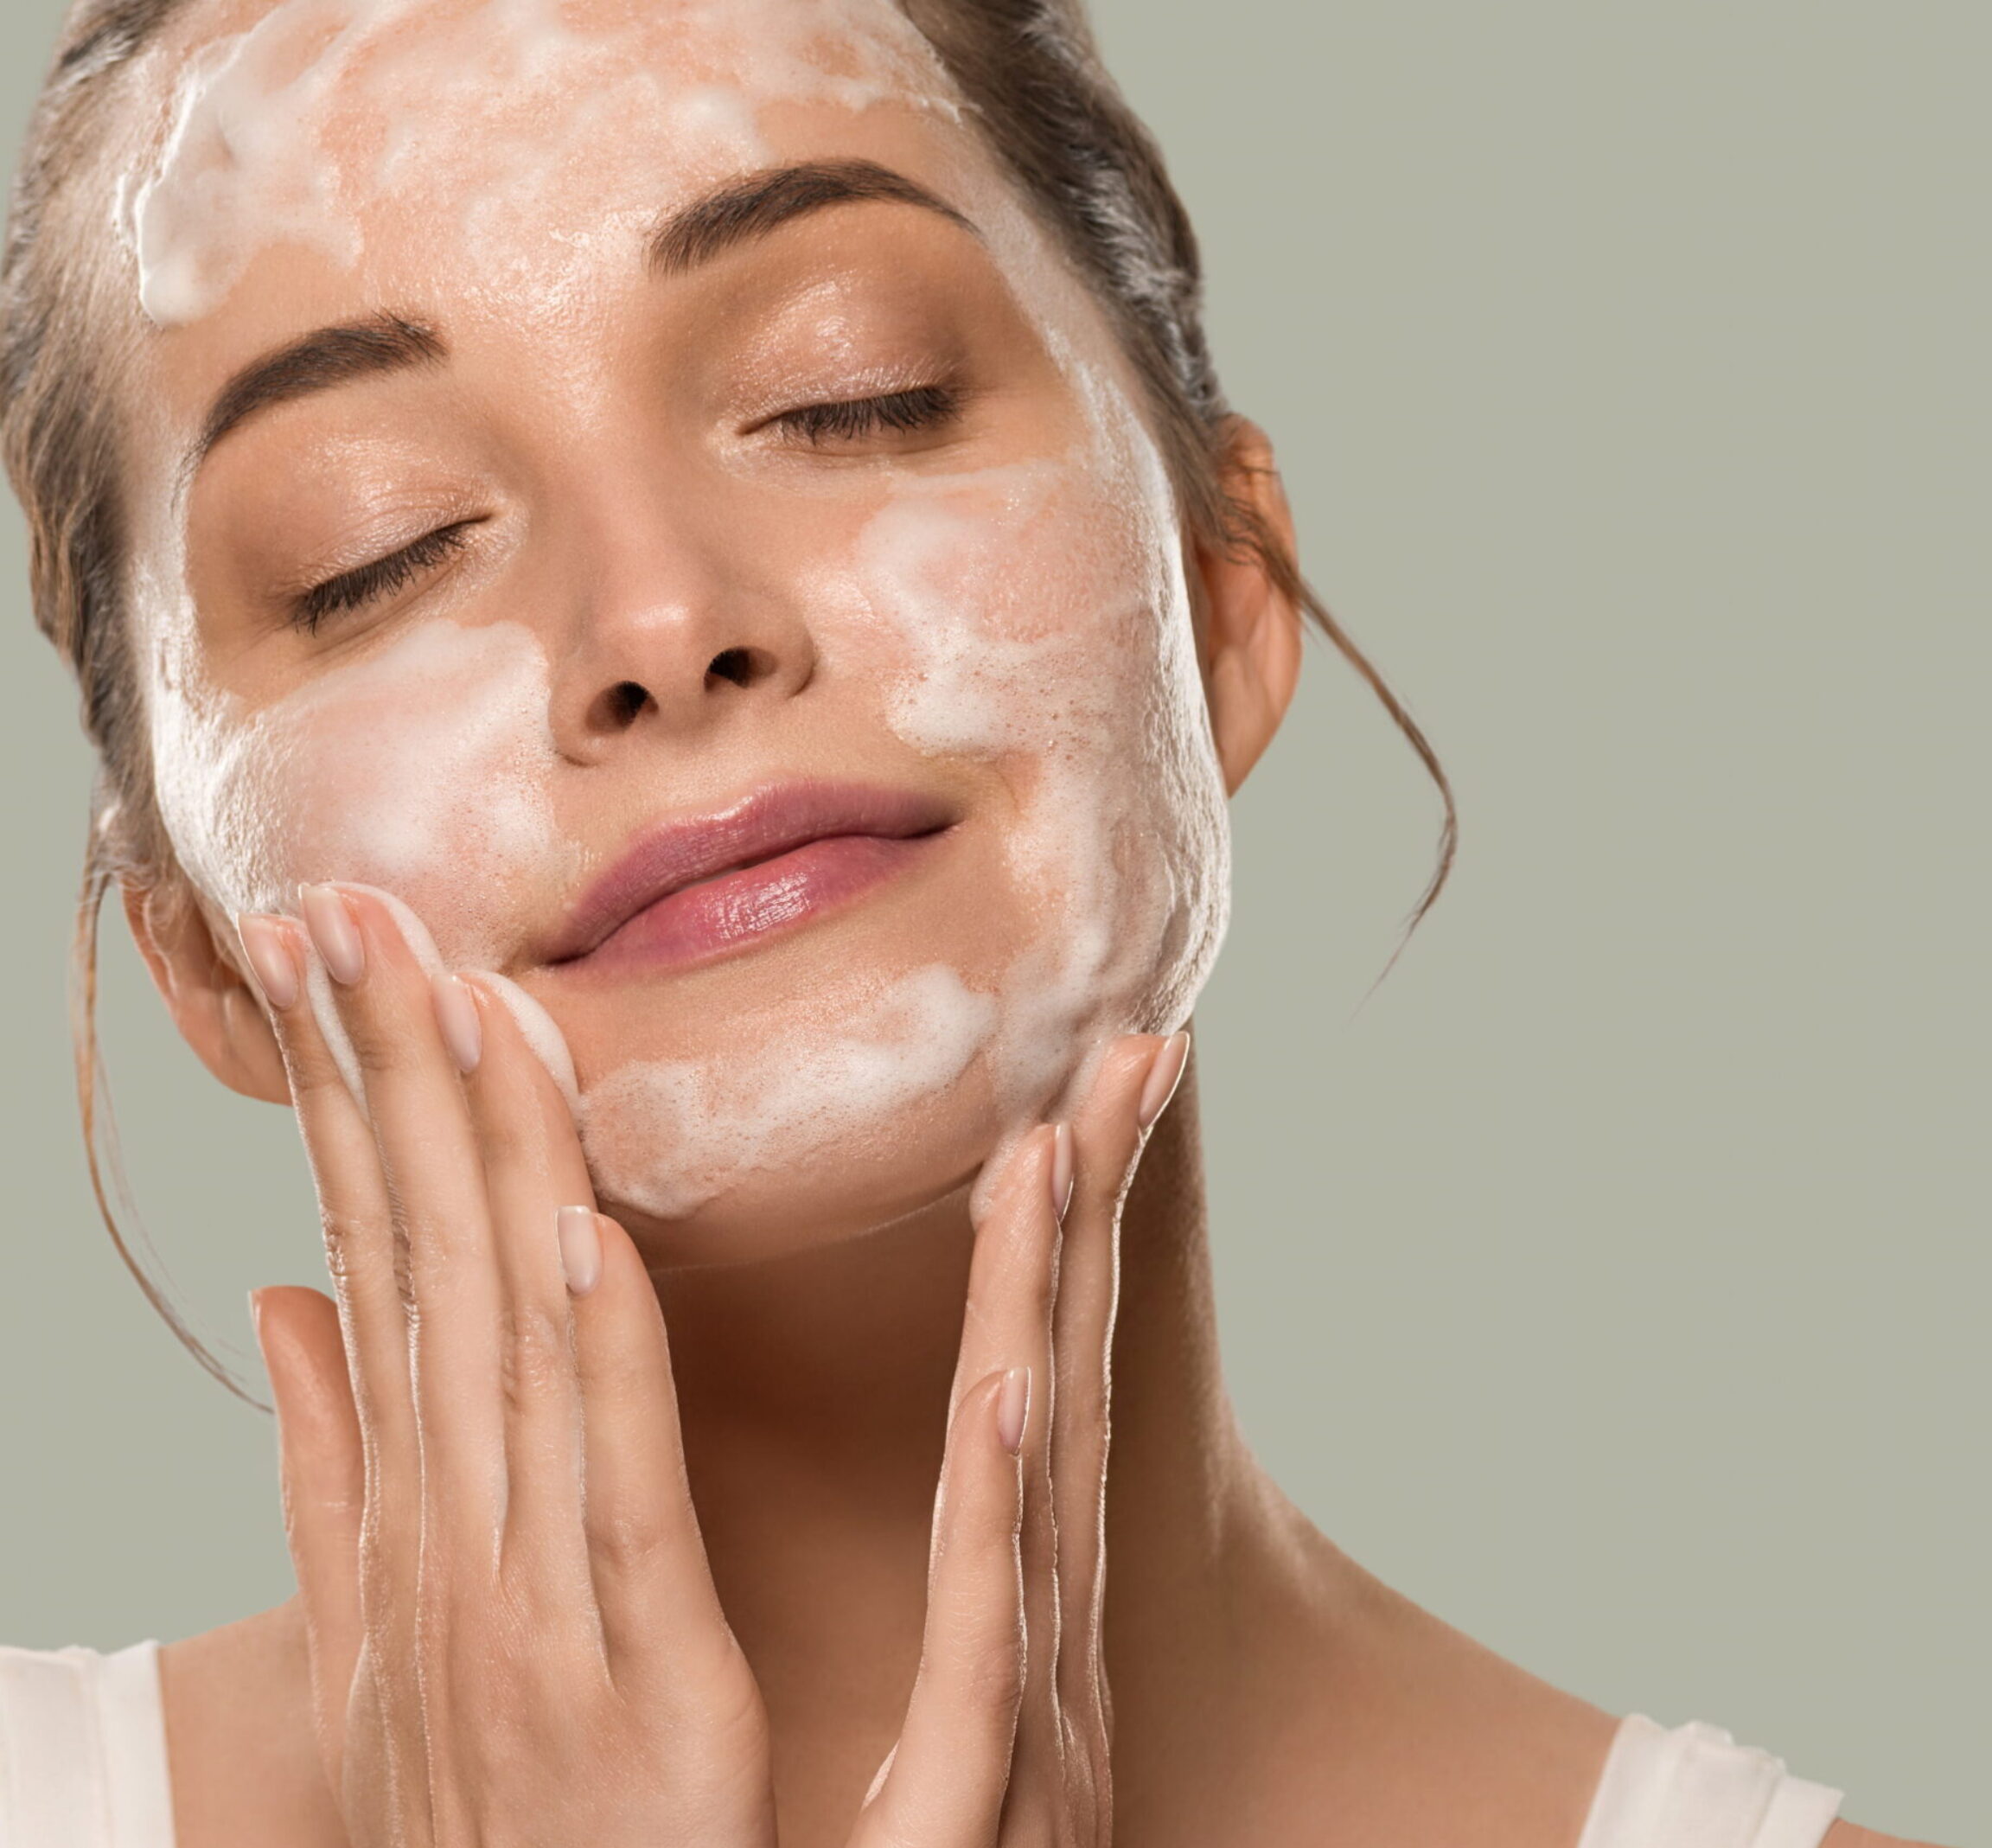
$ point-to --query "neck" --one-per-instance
(813, 1394)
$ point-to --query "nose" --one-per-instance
(669, 632)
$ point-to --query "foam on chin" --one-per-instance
(670, 1136)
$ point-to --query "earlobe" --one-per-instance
(218, 1012)
(1252, 638)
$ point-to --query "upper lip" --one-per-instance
(774, 820)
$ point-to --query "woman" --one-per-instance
(670, 604)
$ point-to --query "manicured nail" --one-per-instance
(580, 1248)
(1164, 1076)
(268, 949)
(335, 935)
(456, 1014)
(1061, 1171)
(1013, 1405)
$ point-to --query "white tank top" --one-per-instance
(83, 1765)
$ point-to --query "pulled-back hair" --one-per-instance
(1030, 74)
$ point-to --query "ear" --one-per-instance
(218, 1012)
(1251, 627)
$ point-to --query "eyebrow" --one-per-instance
(326, 357)
(748, 208)
(737, 212)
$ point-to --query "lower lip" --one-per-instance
(700, 923)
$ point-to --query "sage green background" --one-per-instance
(1615, 1281)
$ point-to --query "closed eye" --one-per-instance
(369, 583)
(920, 408)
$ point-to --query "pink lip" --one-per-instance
(692, 889)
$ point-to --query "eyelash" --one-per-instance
(897, 413)
(354, 590)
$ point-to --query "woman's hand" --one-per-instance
(1007, 1732)
(513, 1632)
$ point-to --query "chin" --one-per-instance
(759, 1187)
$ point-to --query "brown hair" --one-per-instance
(1031, 74)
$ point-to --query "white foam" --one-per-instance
(538, 1030)
(423, 768)
(288, 132)
(669, 1136)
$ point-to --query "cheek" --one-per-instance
(1042, 621)
(1033, 618)
(424, 770)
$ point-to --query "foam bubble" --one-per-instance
(667, 1137)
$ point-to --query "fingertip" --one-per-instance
(334, 931)
(1165, 1073)
(578, 1231)
(1063, 1172)
(273, 958)
(1012, 1408)
(460, 1019)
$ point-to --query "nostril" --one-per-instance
(626, 702)
(743, 666)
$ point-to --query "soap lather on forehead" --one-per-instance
(300, 118)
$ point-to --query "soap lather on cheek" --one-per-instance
(424, 770)
(1034, 617)
(1047, 626)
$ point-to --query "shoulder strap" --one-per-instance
(83, 1749)
(1695, 1788)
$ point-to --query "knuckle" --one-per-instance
(313, 1072)
(345, 1234)
(538, 1353)
(383, 1046)
(728, 1703)
(988, 1671)
(993, 1677)
(627, 1546)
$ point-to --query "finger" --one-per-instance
(1007, 1316)
(430, 1163)
(945, 1783)
(1135, 1080)
(356, 1218)
(1015, 1275)
(532, 1164)
(661, 1618)
(323, 1476)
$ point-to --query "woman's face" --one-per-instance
(705, 559)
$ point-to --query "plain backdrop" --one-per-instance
(1614, 1282)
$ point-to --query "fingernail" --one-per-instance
(335, 935)
(1164, 1076)
(1061, 1170)
(456, 1014)
(1013, 1405)
(580, 1248)
(270, 959)
(256, 1314)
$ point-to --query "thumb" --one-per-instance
(321, 1466)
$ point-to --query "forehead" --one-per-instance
(497, 135)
